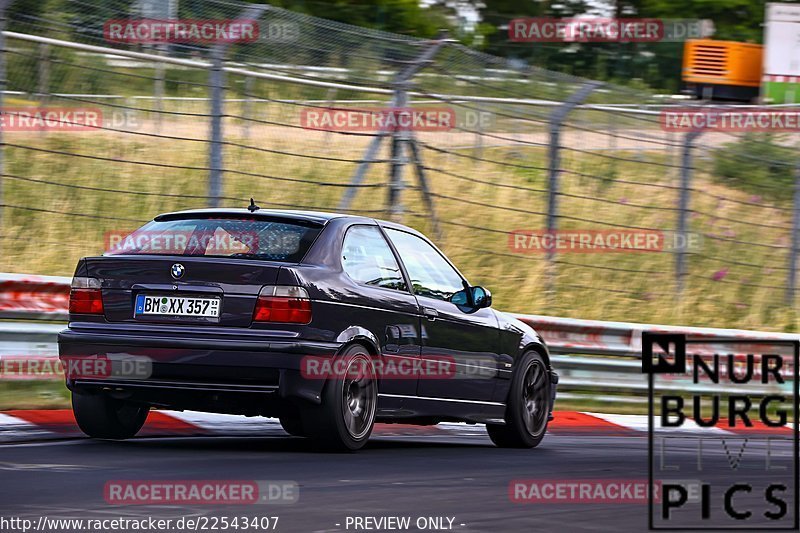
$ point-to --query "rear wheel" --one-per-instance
(345, 419)
(527, 407)
(102, 417)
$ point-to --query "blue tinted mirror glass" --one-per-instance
(478, 296)
(459, 298)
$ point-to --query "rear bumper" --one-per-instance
(185, 370)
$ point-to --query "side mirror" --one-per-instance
(482, 297)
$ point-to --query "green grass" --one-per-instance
(45, 394)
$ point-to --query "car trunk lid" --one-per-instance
(235, 282)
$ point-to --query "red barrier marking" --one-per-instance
(577, 422)
(35, 296)
(62, 421)
(159, 423)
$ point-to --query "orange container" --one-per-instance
(710, 62)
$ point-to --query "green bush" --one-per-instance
(761, 164)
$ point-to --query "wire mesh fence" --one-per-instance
(515, 154)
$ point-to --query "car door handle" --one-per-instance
(430, 313)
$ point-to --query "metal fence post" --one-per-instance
(612, 146)
(361, 171)
(396, 185)
(158, 89)
(791, 277)
(43, 73)
(331, 102)
(557, 118)
(216, 80)
(247, 105)
(3, 87)
(399, 100)
(478, 149)
(683, 208)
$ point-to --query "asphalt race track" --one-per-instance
(462, 477)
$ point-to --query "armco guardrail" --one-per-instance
(599, 359)
(34, 297)
(617, 376)
(47, 297)
(594, 337)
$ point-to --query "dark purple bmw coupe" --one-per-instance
(328, 322)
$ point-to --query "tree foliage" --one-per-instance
(657, 65)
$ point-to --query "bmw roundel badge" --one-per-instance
(177, 271)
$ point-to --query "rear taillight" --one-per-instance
(85, 297)
(283, 304)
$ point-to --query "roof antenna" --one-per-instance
(252, 207)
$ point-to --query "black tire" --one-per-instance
(102, 417)
(527, 406)
(346, 416)
(293, 426)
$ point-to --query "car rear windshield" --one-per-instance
(271, 240)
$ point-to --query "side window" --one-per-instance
(431, 275)
(367, 258)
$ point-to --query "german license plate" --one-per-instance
(177, 306)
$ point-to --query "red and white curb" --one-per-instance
(35, 425)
